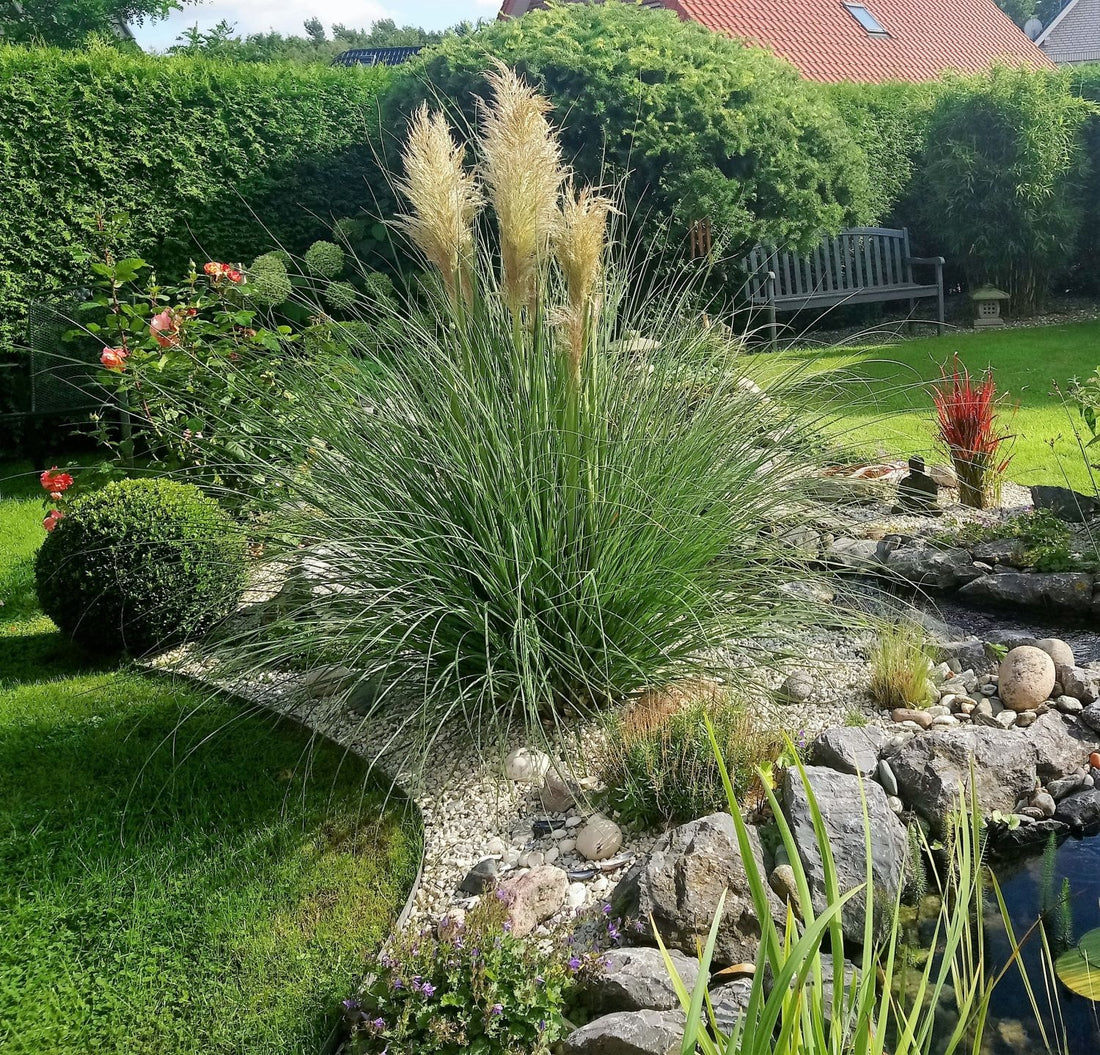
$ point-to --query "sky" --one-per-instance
(287, 16)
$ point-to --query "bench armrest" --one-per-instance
(937, 260)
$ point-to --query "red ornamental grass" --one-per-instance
(968, 426)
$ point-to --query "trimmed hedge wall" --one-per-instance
(201, 155)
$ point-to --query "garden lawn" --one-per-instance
(177, 875)
(879, 397)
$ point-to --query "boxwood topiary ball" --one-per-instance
(324, 260)
(139, 565)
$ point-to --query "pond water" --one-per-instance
(1026, 884)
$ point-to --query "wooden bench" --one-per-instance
(861, 265)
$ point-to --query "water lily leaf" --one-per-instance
(1079, 968)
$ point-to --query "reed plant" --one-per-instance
(901, 667)
(531, 512)
(886, 1004)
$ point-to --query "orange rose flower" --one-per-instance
(114, 359)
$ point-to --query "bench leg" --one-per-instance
(773, 328)
(939, 307)
(909, 320)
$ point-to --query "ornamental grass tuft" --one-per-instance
(554, 495)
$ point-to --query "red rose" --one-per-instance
(234, 275)
(114, 359)
(56, 483)
(53, 518)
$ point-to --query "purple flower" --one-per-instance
(377, 1024)
(574, 963)
(613, 931)
(350, 1004)
(606, 910)
(496, 1010)
(507, 926)
(539, 980)
(427, 989)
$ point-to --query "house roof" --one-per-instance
(1074, 36)
(824, 40)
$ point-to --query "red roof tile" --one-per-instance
(823, 40)
(926, 37)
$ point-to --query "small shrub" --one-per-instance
(1047, 540)
(661, 765)
(324, 259)
(968, 426)
(140, 564)
(268, 282)
(901, 667)
(467, 987)
(341, 296)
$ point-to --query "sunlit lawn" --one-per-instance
(177, 875)
(880, 395)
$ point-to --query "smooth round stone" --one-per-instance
(895, 803)
(567, 846)
(495, 847)
(525, 765)
(558, 834)
(510, 857)
(576, 896)
(945, 719)
(1069, 705)
(599, 839)
(886, 778)
(988, 690)
(551, 855)
(1027, 678)
(572, 822)
(532, 859)
(1058, 651)
(1025, 718)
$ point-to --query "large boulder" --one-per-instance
(629, 1033)
(849, 749)
(1026, 678)
(943, 569)
(933, 770)
(1061, 747)
(1067, 590)
(680, 881)
(856, 554)
(1081, 683)
(1068, 505)
(840, 799)
(638, 980)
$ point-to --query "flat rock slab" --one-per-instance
(1067, 590)
(1081, 811)
(1061, 746)
(638, 980)
(840, 798)
(933, 770)
(629, 1033)
(848, 749)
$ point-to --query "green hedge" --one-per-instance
(200, 155)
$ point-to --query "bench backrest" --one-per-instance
(858, 258)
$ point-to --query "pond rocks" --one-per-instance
(1058, 651)
(849, 749)
(558, 794)
(679, 884)
(1080, 682)
(912, 714)
(1081, 811)
(933, 769)
(840, 798)
(637, 980)
(857, 554)
(1026, 678)
(1067, 590)
(797, 688)
(1011, 841)
(943, 569)
(328, 681)
(629, 1033)
(1061, 746)
(599, 839)
(481, 877)
(1005, 551)
(1090, 717)
(533, 897)
(971, 654)
(1067, 505)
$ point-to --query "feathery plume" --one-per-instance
(523, 172)
(445, 198)
(579, 239)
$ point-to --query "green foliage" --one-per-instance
(1002, 175)
(69, 23)
(889, 121)
(697, 125)
(341, 297)
(901, 667)
(185, 153)
(660, 765)
(140, 564)
(324, 259)
(1047, 540)
(471, 986)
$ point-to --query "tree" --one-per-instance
(68, 23)
(1018, 10)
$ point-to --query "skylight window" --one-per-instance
(867, 20)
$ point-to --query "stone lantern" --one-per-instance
(987, 299)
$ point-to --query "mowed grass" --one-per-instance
(177, 875)
(879, 398)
